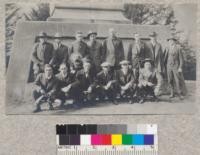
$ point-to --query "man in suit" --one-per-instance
(174, 63)
(42, 53)
(60, 53)
(95, 50)
(113, 50)
(79, 46)
(46, 88)
(126, 81)
(65, 78)
(85, 84)
(136, 54)
(147, 81)
(106, 83)
(155, 53)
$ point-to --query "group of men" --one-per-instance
(87, 72)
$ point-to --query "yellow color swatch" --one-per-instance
(117, 139)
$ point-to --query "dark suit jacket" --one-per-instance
(117, 51)
(122, 79)
(136, 55)
(64, 81)
(79, 48)
(84, 82)
(156, 55)
(61, 55)
(50, 85)
(95, 53)
(103, 79)
(173, 59)
(42, 53)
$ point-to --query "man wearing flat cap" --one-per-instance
(61, 54)
(136, 54)
(126, 81)
(113, 50)
(147, 81)
(155, 53)
(106, 83)
(79, 46)
(95, 50)
(173, 59)
(42, 53)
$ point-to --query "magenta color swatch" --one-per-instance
(96, 139)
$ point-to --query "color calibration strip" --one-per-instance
(107, 139)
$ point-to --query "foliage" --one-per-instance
(22, 12)
(151, 14)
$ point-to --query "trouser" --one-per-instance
(37, 68)
(143, 91)
(49, 99)
(158, 87)
(174, 80)
(111, 92)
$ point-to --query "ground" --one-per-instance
(164, 106)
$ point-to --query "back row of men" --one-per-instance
(109, 54)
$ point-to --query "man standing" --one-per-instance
(136, 54)
(174, 63)
(95, 50)
(42, 53)
(126, 81)
(155, 53)
(60, 53)
(79, 46)
(106, 83)
(46, 88)
(113, 50)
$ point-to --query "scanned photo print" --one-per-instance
(95, 58)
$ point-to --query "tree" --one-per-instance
(22, 12)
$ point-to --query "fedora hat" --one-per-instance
(105, 64)
(42, 35)
(57, 35)
(171, 38)
(153, 34)
(124, 62)
(91, 32)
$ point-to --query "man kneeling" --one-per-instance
(126, 81)
(46, 88)
(106, 83)
(147, 81)
(65, 79)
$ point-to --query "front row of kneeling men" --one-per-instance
(86, 87)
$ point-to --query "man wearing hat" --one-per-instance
(126, 81)
(113, 50)
(174, 63)
(42, 53)
(84, 83)
(60, 53)
(155, 53)
(95, 50)
(136, 54)
(106, 83)
(147, 81)
(79, 46)
(46, 88)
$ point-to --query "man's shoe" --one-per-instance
(171, 96)
(141, 101)
(51, 107)
(115, 102)
(181, 97)
(38, 109)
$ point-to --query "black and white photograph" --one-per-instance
(95, 58)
